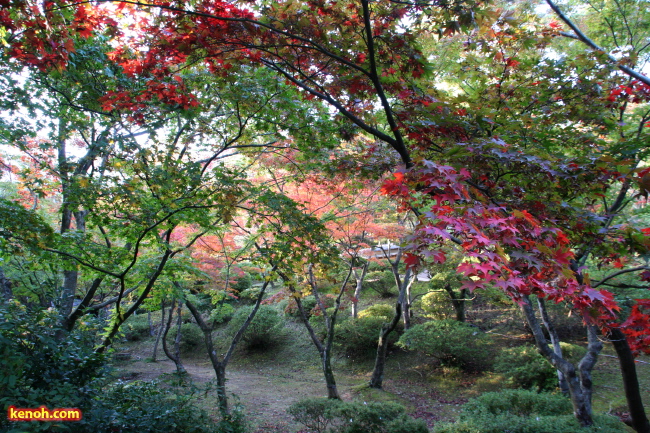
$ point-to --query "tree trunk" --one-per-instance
(555, 341)
(406, 305)
(578, 380)
(174, 356)
(377, 378)
(357, 288)
(324, 350)
(640, 421)
(160, 331)
(458, 302)
(219, 366)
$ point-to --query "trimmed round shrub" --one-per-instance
(264, 331)
(191, 336)
(523, 411)
(354, 417)
(437, 305)
(358, 337)
(454, 343)
(378, 310)
(525, 367)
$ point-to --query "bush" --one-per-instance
(525, 367)
(250, 295)
(453, 343)
(222, 313)
(191, 336)
(308, 304)
(382, 282)
(523, 411)
(240, 282)
(378, 310)
(360, 336)
(437, 305)
(136, 328)
(354, 417)
(43, 365)
(147, 407)
(264, 331)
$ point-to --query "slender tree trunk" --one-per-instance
(640, 421)
(173, 356)
(578, 380)
(160, 331)
(377, 378)
(152, 332)
(219, 366)
(324, 349)
(555, 341)
(357, 288)
(406, 304)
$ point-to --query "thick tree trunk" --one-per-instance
(640, 421)
(458, 302)
(406, 304)
(328, 373)
(578, 380)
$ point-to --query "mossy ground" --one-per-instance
(266, 382)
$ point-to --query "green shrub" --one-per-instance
(453, 343)
(147, 407)
(437, 305)
(354, 417)
(523, 411)
(518, 402)
(43, 365)
(264, 331)
(136, 328)
(191, 336)
(250, 295)
(525, 367)
(382, 282)
(360, 336)
(378, 310)
(222, 313)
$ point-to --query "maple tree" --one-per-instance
(477, 170)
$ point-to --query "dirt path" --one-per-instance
(265, 393)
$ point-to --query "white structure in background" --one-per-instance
(390, 250)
